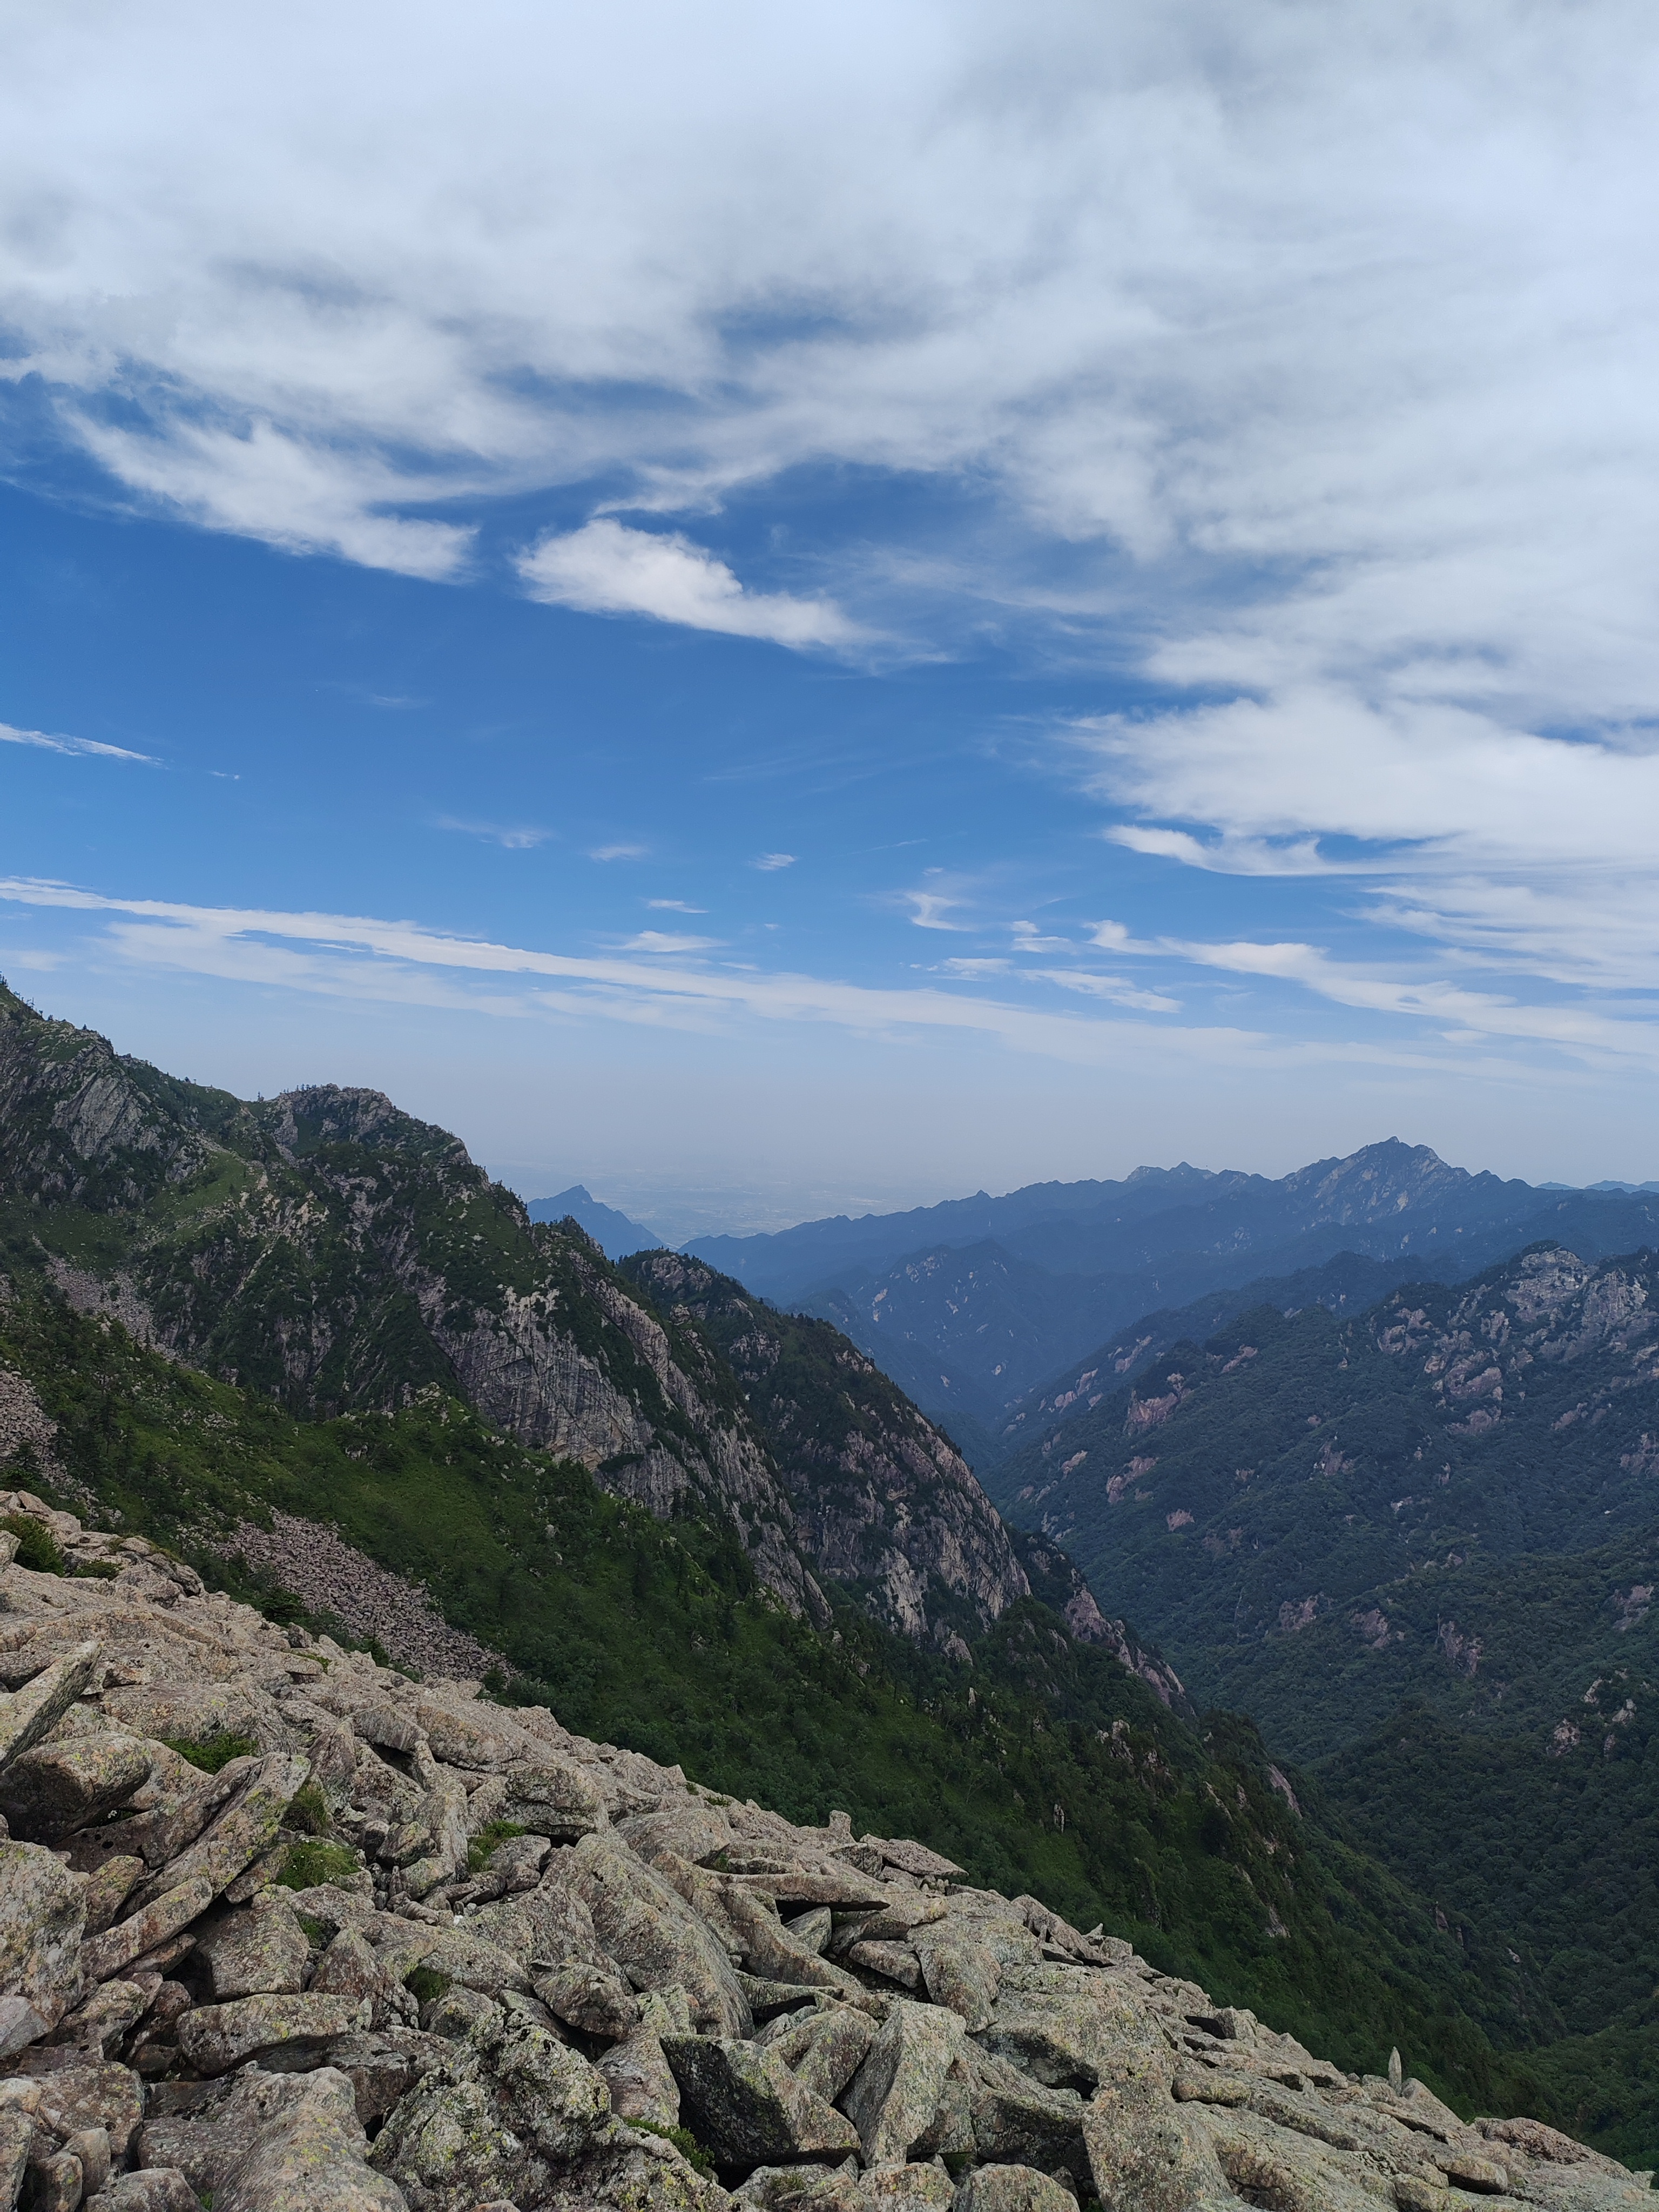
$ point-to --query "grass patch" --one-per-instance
(313, 1862)
(489, 1839)
(426, 1985)
(211, 1752)
(309, 1811)
(94, 1571)
(36, 1547)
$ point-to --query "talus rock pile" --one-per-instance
(284, 1930)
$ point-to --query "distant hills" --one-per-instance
(973, 1305)
(613, 1232)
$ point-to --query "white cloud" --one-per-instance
(401, 964)
(657, 940)
(1300, 352)
(768, 863)
(607, 568)
(1117, 990)
(1331, 320)
(930, 910)
(513, 837)
(45, 742)
(674, 906)
(618, 853)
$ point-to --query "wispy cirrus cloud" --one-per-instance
(44, 741)
(513, 837)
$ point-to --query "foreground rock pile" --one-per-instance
(282, 1930)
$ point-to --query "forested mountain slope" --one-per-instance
(1420, 1545)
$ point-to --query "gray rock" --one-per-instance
(108, 1889)
(640, 2080)
(896, 2094)
(129, 1938)
(100, 2095)
(499, 2120)
(90, 2147)
(1072, 2037)
(1012, 2189)
(107, 2016)
(54, 2182)
(825, 2050)
(215, 2038)
(28, 1714)
(591, 1998)
(42, 1916)
(811, 1929)
(61, 1786)
(552, 1797)
(960, 1972)
(1149, 2154)
(643, 1924)
(16, 2136)
(159, 2189)
(350, 1968)
(1019, 2122)
(246, 1826)
(745, 2106)
(458, 2011)
(276, 2142)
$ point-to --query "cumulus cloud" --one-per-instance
(605, 569)
(769, 863)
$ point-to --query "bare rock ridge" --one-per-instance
(289, 1931)
(330, 1250)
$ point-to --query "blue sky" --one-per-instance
(777, 612)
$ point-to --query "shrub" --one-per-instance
(36, 1547)
(97, 1571)
(683, 2141)
(210, 1752)
(425, 1983)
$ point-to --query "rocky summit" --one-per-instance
(284, 1928)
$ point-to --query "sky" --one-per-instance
(790, 611)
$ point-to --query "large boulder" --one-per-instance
(745, 2106)
(641, 1922)
(274, 2142)
(497, 2122)
(49, 1792)
(42, 1917)
(895, 2096)
(215, 2038)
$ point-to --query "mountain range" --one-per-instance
(306, 1344)
(974, 1305)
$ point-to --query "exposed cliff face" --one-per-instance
(339, 1254)
(884, 1500)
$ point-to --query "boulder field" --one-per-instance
(282, 1930)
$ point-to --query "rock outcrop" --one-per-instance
(285, 1930)
(883, 1501)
